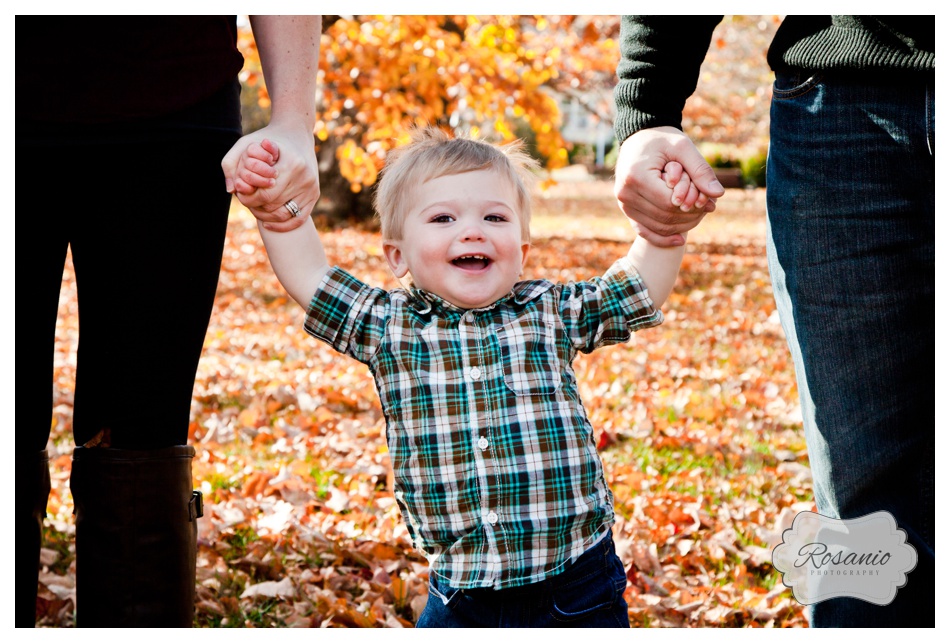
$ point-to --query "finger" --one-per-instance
(699, 170)
(263, 206)
(690, 198)
(662, 222)
(271, 148)
(650, 206)
(252, 192)
(681, 190)
(672, 173)
(271, 216)
(670, 241)
(701, 201)
(259, 167)
(228, 163)
(289, 222)
(287, 226)
(241, 188)
(256, 180)
(258, 154)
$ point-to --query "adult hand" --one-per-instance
(289, 48)
(646, 194)
(297, 178)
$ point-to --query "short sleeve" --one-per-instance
(348, 315)
(607, 310)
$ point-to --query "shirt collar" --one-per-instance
(423, 301)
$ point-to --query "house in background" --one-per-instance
(588, 119)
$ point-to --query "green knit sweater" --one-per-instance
(661, 57)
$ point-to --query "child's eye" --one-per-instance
(496, 218)
(441, 218)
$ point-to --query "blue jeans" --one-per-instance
(588, 593)
(851, 254)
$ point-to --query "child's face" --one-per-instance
(462, 239)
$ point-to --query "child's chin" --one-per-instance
(471, 302)
(466, 301)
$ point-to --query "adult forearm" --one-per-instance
(289, 48)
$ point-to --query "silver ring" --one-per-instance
(292, 208)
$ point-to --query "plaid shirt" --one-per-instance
(496, 470)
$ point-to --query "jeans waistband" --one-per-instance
(584, 566)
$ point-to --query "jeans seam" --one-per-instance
(929, 116)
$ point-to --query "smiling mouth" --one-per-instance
(472, 262)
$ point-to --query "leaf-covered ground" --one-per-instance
(697, 420)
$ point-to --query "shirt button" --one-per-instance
(475, 373)
(469, 317)
(492, 517)
(482, 443)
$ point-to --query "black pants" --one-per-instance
(146, 223)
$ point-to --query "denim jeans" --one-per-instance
(851, 253)
(588, 593)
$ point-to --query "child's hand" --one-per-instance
(685, 194)
(255, 168)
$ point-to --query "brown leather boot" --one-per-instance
(136, 533)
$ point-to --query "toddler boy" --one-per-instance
(496, 471)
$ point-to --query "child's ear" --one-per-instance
(524, 254)
(395, 258)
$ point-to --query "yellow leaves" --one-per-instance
(502, 128)
(356, 165)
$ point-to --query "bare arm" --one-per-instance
(289, 47)
(658, 267)
(298, 259)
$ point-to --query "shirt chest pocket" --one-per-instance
(529, 358)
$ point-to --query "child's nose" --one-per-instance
(473, 233)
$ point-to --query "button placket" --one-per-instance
(471, 343)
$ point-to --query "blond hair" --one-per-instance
(432, 153)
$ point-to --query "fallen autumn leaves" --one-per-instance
(696, 421)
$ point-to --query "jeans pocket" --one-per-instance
(584, 597)
(448, 596)
(793, 85)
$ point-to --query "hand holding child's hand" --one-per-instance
(255, 181)
(268, 169)
(255, 168)
(658, 170)
(686, 195)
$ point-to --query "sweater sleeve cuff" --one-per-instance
(631, 120)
